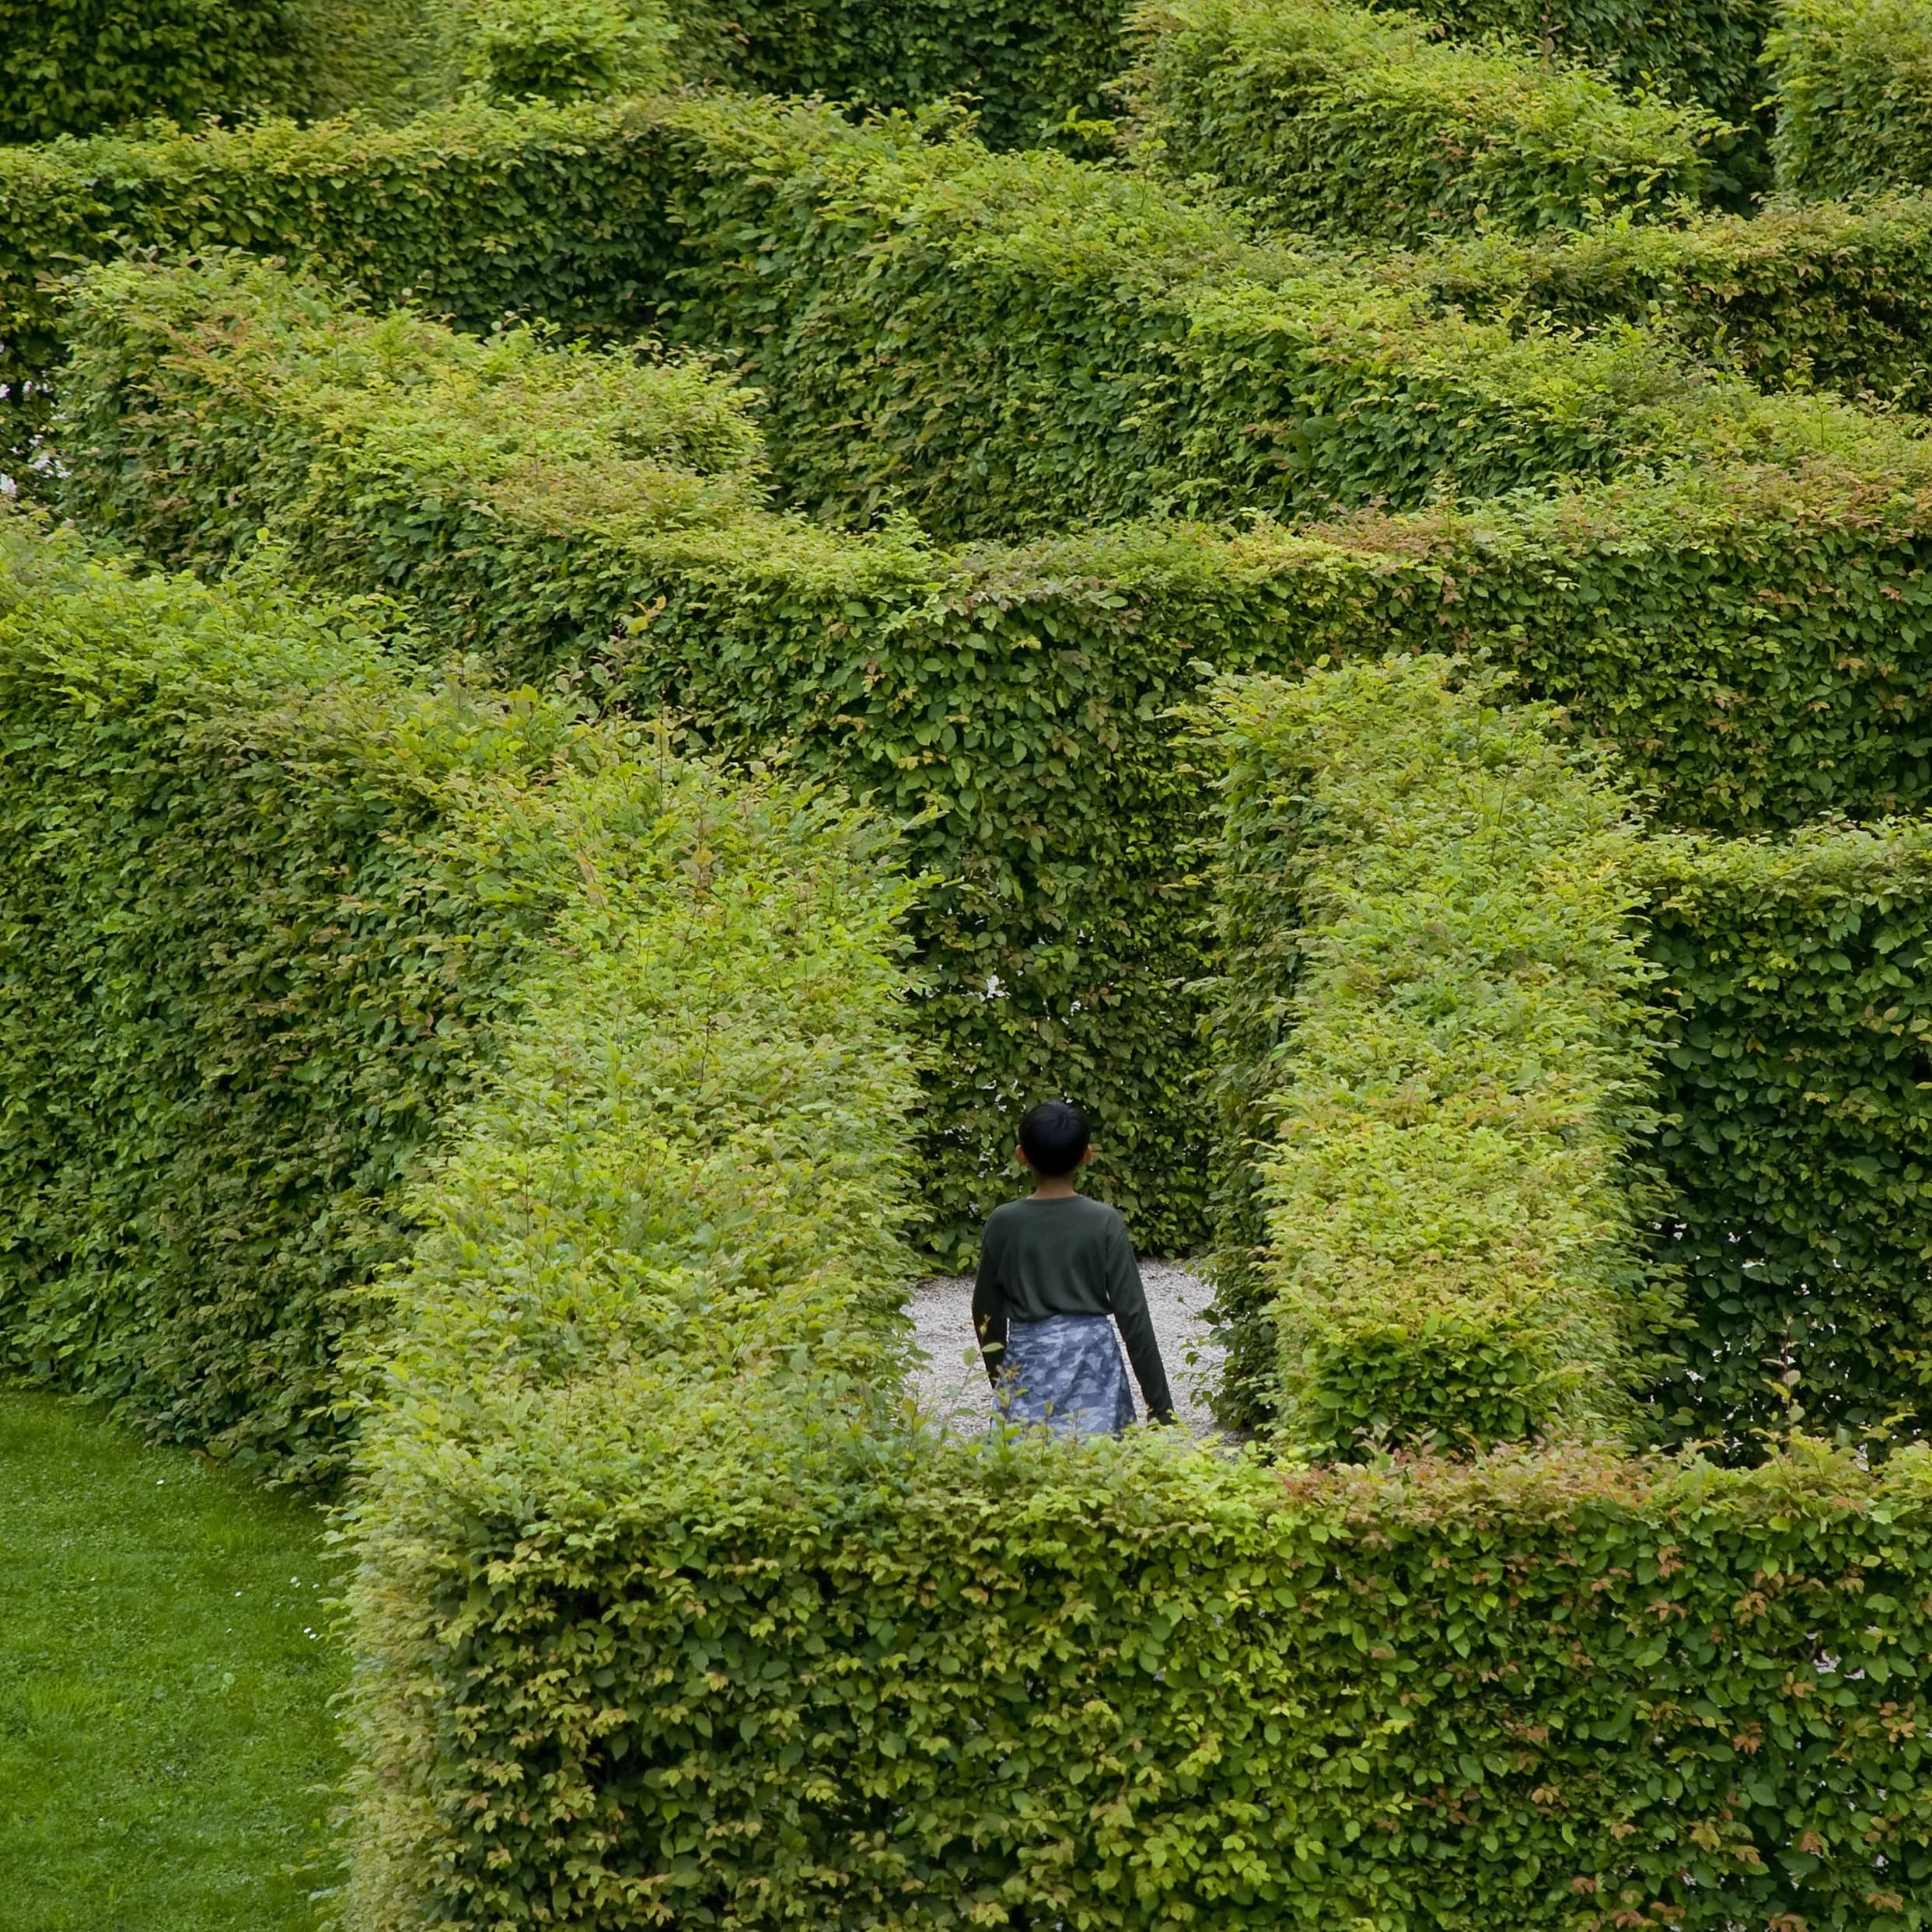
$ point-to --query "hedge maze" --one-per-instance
(624, 627)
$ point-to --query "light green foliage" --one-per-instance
(520, 49)
(550, 212)
(1341, 121)
(441, 51)
(73, 66)
(1809, 297)
(643, 1650)
(677, 1213)
(1799, 1147)
(266, 891)
(1853, 82)
(1059, 334)
(168, 1752)
(249, 375)
(1432, 1031)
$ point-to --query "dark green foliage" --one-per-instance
(1751, 640)
(1432, 1053)
(1748, 639)
(1008, 709)
(984, 340)
(258, 918)
(1800, 1150)
(1852, 80)
(1034, 70)
(1823, 296)
(1338, 120)
(73, 66)
(1691, 49)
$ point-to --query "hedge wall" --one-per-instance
(1006, 709)
(691, 1628)
(1432, 1047)
(548, 50)
(1342, 121)
(1034, 71)
(1824, 296)
(1747, 639)
(1852, 83)
(1791, 1130)
(665, 1613)
(74, 66)
(263, 892)
(1798, 1088)
(486, 213)
(984, 340)
(1058, 333)
(1690, 50)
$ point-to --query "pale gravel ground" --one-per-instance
(952, 1385)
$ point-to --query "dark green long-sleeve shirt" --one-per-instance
(1066, 1256)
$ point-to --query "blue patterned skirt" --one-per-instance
(1066, 1372)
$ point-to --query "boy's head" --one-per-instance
(1054, 1138)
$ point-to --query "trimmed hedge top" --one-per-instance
(1347, 122)
(980, 339)
(1432, 1013)
(229, 378)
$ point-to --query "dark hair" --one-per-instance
(1054, 1136)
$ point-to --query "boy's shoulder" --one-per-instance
(1081, 1208)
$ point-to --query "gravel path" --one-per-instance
(951, 1386)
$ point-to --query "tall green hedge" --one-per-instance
(1798, 1089)
(263, 892)
(1057, 333)
(1852, 83)
(1790, 1109)
(1823, 296)
(72, 66)
(1343, 121)
(546, 50)
(1691, 49)
(1434, 1057)
(596, 515)
(484, 212)
(691, 1628)
(1748, 639)
(1033, 70)
(986, 340)
(665, 1613)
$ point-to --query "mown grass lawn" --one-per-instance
(165, 1673)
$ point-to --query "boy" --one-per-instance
(1056, 1271)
